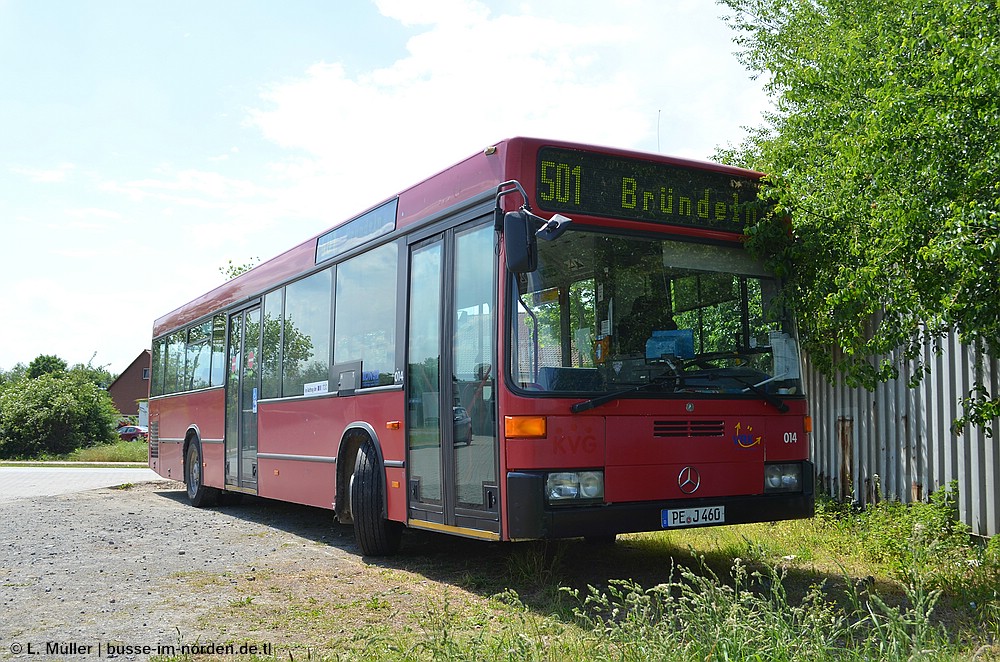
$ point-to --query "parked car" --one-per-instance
(463, 426)
(133, 433)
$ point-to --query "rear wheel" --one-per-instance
(198, 494)
(375, 535)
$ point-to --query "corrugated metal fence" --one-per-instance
(896, 442)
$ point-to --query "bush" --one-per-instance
(899, 536)
(53, 414)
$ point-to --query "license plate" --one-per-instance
(679, 517)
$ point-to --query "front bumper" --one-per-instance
(529, 517)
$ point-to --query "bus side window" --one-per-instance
(306, 350)
(365, 325)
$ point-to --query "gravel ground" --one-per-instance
(85, 575)
(139, 567)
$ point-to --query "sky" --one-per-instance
(145, 144)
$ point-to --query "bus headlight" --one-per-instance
(782, 477)
(574, 486)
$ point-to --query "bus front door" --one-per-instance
(451, 420)
(242, 390)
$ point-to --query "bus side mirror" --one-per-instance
(522, 229)
(519, 242)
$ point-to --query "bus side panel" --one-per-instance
(174, 416)
(204, 409)
(214, 458)
(307, 433)
(305, 428)
(386, 413)
(298, 481)
(169, 462)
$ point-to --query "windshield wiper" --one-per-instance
(711, 373)
(770, 399)
(608, 397)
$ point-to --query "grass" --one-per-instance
(888, 582)
(103, 454)
(892, 582)
(119, 451)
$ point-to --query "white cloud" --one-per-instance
(429, 12)
(94, 212)
(45, 176)
(648, 74)
(192, 187)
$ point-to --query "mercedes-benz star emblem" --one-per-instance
(689, 480)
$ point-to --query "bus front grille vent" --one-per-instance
(154, 439)
(688, 428)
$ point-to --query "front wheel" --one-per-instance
(375, 535)
(198, 494)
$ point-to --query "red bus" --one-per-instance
(546, 340)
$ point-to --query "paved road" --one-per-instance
(26, 482)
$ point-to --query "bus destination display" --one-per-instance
(574, 181)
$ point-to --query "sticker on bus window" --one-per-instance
(313, 388)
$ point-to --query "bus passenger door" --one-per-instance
(452, 447)
(242, 391)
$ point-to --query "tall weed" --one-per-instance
(695, 615)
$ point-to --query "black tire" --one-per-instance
(198, 494)
(375, 535)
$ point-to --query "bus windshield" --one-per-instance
(613, 312)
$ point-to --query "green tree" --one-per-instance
(45, 364)
(883, 151)
(15, 374)
(53, 414)
(231, 270)
(98, 375)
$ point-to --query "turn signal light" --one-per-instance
(524, 427)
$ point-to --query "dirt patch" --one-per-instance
(140, 568)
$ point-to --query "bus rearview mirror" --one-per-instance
(520, 244)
